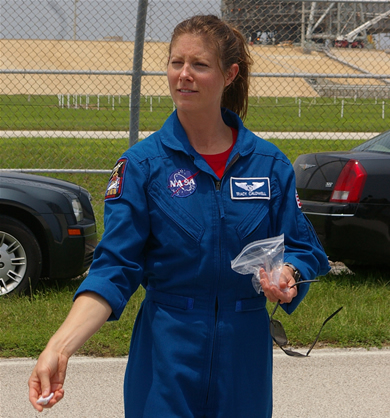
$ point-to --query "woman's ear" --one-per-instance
(231, 74)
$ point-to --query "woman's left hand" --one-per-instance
(273, 293)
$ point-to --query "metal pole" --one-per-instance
(75, 20)
(137, 71)
(311, 21)
(303, 26)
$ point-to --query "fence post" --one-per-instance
(137, 71)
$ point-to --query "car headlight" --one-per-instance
(77, 210)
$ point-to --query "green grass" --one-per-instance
(74, 153)
(22, 112)
(101, 153)
(318, 115)
(364, 320)
(61, 152)
(28, 322)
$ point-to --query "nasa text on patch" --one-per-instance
(115, 184)
(250, 188)
(182, 183)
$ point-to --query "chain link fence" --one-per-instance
(321, 75)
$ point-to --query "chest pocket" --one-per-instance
(255, 218)
(178, 217)
(257, 224)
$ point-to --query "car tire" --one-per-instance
(20, 257)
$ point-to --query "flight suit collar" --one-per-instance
(174, 136)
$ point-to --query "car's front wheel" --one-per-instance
(20, 257)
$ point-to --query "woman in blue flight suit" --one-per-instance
(180, 205)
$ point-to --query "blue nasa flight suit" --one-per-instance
(201, 345)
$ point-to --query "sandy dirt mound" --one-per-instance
(112, 57)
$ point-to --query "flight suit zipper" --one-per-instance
(218, 186)
(233, 161)
(216, 307)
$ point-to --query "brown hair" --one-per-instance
(231, 48)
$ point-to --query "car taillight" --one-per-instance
(349, 185)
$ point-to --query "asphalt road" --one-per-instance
(339, 383)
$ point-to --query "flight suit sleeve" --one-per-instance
(302, 246)
(117, 269)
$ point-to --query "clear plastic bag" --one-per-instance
(267, 254)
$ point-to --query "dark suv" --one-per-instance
(47, 229)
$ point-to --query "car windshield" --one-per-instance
(380, 143)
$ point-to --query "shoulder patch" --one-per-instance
(299, 204)
(115, 184)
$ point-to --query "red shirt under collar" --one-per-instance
(218, 161)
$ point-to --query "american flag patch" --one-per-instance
(299, 204)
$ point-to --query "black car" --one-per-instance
(346, 196)
(47, 229)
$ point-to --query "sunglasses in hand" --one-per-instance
(278, 333)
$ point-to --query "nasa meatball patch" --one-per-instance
(250, 188)
(115, 184)
(181, 182)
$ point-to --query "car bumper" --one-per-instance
(73, 256)
(354, 234)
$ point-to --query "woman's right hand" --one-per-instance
(48, 377)
(285, 292)
(89, 312)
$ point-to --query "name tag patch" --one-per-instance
(250, 188)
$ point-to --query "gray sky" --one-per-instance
(95, 19)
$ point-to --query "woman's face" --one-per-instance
(195, 79)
